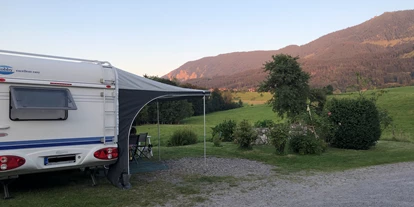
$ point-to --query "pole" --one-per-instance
(158, 123)
(204, 111)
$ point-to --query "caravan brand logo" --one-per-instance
(6, 70)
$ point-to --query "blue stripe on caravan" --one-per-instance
(53, 142)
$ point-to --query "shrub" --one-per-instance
(320, 124)
(279, 136)
(217, 140)
(226, 128)
(385, 119)
(354, 123)
(307, 144)
(264, 123)
(245, 134)
(181, 137)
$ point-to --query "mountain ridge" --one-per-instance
(380, 48)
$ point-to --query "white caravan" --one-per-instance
(56, 113)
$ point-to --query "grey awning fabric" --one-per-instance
(130, 81)
(134, 93)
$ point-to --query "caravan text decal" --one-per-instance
(8, 70)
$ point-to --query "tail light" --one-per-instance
(9, 162)
(106, 153)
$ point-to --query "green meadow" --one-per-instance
(252, 97)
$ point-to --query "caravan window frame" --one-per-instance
(39, 110)
(53, 104)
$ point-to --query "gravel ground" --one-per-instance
(259, 185)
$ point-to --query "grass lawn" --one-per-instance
(332, 160)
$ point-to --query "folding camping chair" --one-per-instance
(141, 146)
(133, 143)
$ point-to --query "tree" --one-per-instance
(217, 101)
(317, 99)
(329, 89)
(288, 85)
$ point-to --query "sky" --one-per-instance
(154, 37)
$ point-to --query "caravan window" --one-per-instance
(34, 103)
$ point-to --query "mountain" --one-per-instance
(381, 48)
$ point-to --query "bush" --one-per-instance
(319, 124)
(182, 137)
(226, 128)
(354, 123)
(264, 123)
(307, 144)
(217, 140)
(245, 134)
(385, 119)
(279, 136)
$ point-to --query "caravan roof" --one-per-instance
(32, 68)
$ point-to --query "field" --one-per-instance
(74, 189)
(252, 97)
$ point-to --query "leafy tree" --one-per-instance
(317, 98)
(217, 101)
(227, 97)
(329, 89)
(288, 84)
(198, 106)
(172, 112)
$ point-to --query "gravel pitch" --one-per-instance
(218, 167)
(259, 185)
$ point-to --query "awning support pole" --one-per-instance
(158, 123)
(204, 112)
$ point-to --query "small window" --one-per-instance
(33, 103)
(42, 98)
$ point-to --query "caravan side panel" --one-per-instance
(48, 145)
